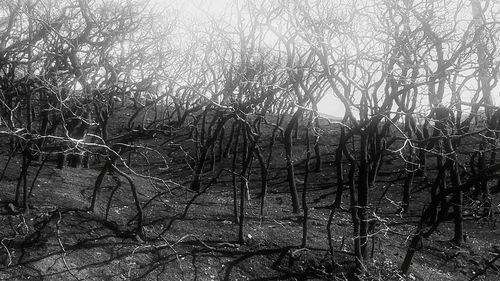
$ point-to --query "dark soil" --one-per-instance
(59, 239)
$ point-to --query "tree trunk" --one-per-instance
(133, 189)
(363, 196)
(289, 160)
(246, 162)
(230, 140)
(339, 166)
(98, 182)
(236, 131)
(317, 151)
(22, 181)
(355, 219)
(304, 193)
(415, 245)
(457, 199)
(263, 180)
(410, 173)
(210, 141)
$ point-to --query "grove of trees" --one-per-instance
(415, 80)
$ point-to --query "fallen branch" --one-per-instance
(488, 265)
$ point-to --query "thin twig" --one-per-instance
(62, 246)
(9, 256)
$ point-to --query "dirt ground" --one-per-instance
(60, 239)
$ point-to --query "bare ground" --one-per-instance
(59, 239)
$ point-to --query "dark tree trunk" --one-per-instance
(363, 196)
(410, 173)
(355, 219)
(304, 193)
(339, 167)
(12, 153)
(289, 160)
(220, 151)
(415, 245)
(457, 199)
(230, 140)
(246, 162)
(317, 151)
(408, 183)
(98, 182)
(133, 189)
(210, 141)
(263, 180)
(236, 128)
(23, 181)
